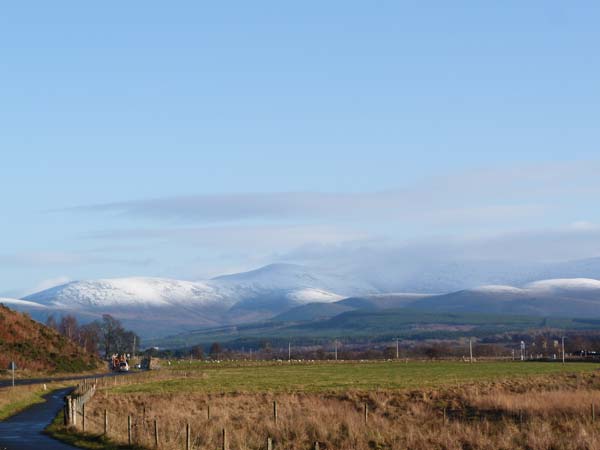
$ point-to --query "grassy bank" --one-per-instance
(14, 400)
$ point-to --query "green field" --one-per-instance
(330, 376)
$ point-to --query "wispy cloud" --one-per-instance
(482, 195)
(265, 237)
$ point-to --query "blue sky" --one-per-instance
(190, 140)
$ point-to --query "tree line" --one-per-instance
(105, 336)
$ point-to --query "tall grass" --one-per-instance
(537, 413)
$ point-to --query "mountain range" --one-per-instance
(288, 292)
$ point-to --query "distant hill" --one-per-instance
(36, 347)
(374, 302)
(573, 297)
(383, 325)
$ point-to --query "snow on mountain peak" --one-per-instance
(497, 289)
(14, 302)
(565, 283)
(126, 292)
(309, 295)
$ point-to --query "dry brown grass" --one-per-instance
(545, 413)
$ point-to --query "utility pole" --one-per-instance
(12, 366)
(397, 349)
(335, 349)
(471, 350)
(133, 351)
(289, 351)
(563, 349)
(522, 350)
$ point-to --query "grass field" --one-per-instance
(307, 377)
(417, 405)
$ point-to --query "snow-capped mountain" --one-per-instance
(127, 293)
(159, 305)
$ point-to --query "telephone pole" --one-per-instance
(289, 351)
(563, 349)
(335, 342)
(397, 349)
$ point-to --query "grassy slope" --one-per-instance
(316, 377)
(38, 348)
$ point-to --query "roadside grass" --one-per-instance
(15, 399)
(343, 376)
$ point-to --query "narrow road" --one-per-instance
(23, 431)
(27, 381)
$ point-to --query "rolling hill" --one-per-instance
(36, 347)
(577, 297)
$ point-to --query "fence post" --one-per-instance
(156, 433)
(83, 417)
(66, 411)
(208, 411)
(593, 412)
(269, 444)
(105, 422)
(74, 412)
(129, 429)
(188, 441)
(275, 412)
(444, 412)
(366, 412)
(317, 445)
(225, 443)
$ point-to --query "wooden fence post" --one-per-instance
(156, 433)
(366, 411)
(317, 445)
(225, 443)
(521, 417)
(444, 412)
(275, 412)
(269, 444)
(65, 414)
(83, 417)
(74, 411)
(208, 411)
(129, 429)
(188, 440)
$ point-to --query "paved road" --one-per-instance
(23, 431)
(27, 381)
